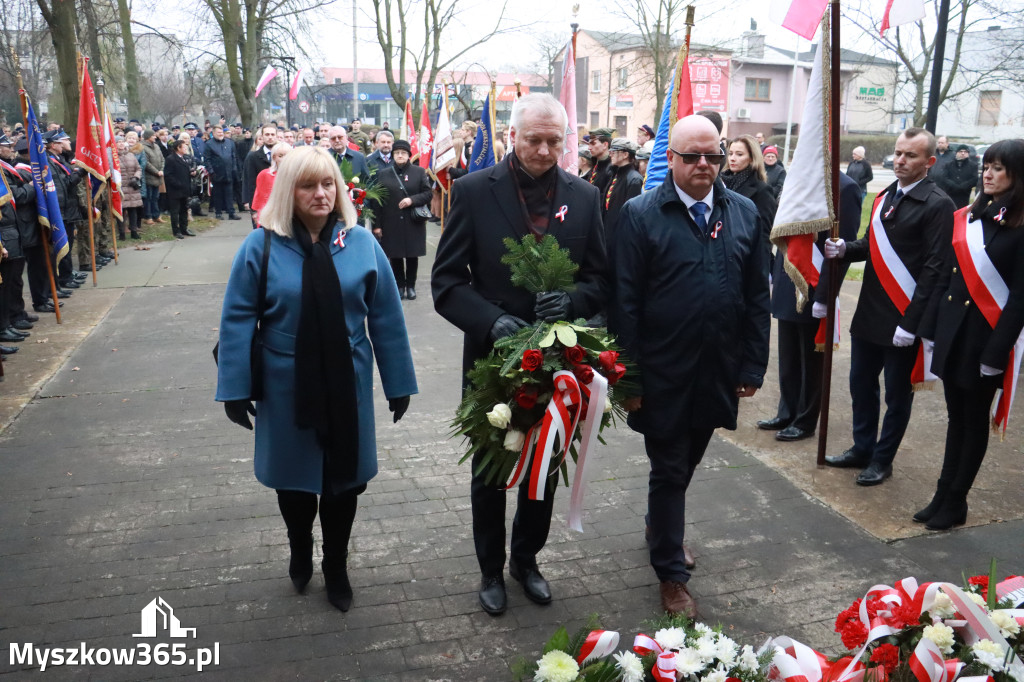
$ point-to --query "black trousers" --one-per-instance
(7, 267)
(530, 525)
(867, 361)
(673, 462)
(968, 411)
(14, 280)
(223, 199)
(337, 513)
(133, 218)
(63, 269)
(178, 209)
(799, 375)
(405, 270)
(38, 286)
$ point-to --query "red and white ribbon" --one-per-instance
(598, 644)
(664, 669)
(596, 393)
(929, 665)
(644, 645)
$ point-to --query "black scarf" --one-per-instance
(325, 378)
(535, 194)
(734, 180)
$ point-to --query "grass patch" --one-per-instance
(865, 215)
(162, 232)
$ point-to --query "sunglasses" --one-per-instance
(694, 157)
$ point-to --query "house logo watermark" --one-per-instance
(157, 621)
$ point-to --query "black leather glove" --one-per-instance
(398, 406)
(506, 325)
(553, 306)
(238, 411)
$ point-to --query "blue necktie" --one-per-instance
(698, 210)
(899, 194)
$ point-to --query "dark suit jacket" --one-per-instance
(471, 286)
(357, 160)
(375, 162)
(963, 338)
(255, 162)
(919, 230)
(178, 177)
(628, 185)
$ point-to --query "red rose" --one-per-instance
(526, 397)
(585, 373)
(532, 359)
(887, 656)
(608, 359)
(576, 354)
(616, 373)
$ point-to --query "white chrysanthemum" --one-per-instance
(977, 599)
(514, 440)
(670, 638)
(943, 606)
(717, 675)
(942, 635)
(500, 416)
(1008, 626)
(557, 666)
(726, 651)
(688, 662)
(630, 665)
(989, 654)
(702, 628)
(706, 648)
(748, 659)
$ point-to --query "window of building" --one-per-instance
(758, 90)
(989, 104)
(595, 81)
(623, 77)
(620, 126)
(595, 119)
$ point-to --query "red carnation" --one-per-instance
(526, 397)
(532, 359)
(585, 373)
(904, 616)
(854, 634)
(980, 581)
(608, 359)
(576, 354)
(887, 656)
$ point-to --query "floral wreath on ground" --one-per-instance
(546, 393)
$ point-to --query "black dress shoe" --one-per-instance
(410, 293)
(773, 424)
(8, 350)
(219, 216)
(189, 233)
(234, 216)
(874, 474)
(10, 335)
(848, 460)
(178, 235)
(109, 255)
(44, 308)
(492, 595)
(536, 588)
(22, 325)
(80, 276)
(29, 317)
(63, 293)
(953, 512)
(791, 433)
(69, 283)
(18, 332)
(402, 294)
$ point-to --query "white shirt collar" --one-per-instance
(690, 201)
(906, 189)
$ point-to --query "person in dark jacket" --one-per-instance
(973, 342)
(746, 176)
(342, 152)
(402, 235)
(220, 155)
(13, 327)
(625, 184)
(178, 179)
(774, 170)
(599, 141)
(66, 179)
(257, 160)
(32, 243)
(799, 360)
(860, 170)
(913, 219)
(959, 177)
(690, 307)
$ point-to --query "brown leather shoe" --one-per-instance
(676, 599)
(688, 559)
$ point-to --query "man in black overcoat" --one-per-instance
(690, 306)
(256, 161)
(917, 219)
(221, 162)
(526, 193)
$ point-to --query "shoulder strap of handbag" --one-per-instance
(261, 301)
(399, 178)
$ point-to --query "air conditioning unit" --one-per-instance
(743, 112)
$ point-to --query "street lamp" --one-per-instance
(289, 64)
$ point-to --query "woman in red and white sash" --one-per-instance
(979, 318)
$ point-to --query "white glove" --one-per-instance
(819, 310)
(835, 248)
(987, 371)
(902, 338)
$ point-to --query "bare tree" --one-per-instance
(61, 20)
(23, 32)
(131, 63)
(549, 46)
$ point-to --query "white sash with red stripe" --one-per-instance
(990, 294)
(818, 260)
(898, 283)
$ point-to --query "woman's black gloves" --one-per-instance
(398, 406)
(238, 411)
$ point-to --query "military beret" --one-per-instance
(21, 145)
(623, 144)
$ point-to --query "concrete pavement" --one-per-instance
(123, 482)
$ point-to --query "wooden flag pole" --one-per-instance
(833, 271)
(110, 180)
(88, 190)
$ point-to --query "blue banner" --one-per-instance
(5, 191)
(46, 192)
(657, 167)
(483, 146)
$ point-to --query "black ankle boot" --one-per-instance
(953, 512)
(339, 589)
(928, 512)
(300, 567)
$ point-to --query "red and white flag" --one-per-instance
(444, 147)
(567, 96)
(114, 164)
(901, 12)
(89, 136)
(799, 16)
(426, 138)
(293, 91)
(269, 74)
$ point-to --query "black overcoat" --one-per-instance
(628, 185)
(919, 229)
(65, 181)
(178, 177)
(255, 161)
(471, 286)
(401, 235)
(220, 160)
(958, 179)
(691, 310)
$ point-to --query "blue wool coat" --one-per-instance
(288, 458)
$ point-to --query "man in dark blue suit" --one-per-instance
(690, 306)
(342, 152)
(526, 193)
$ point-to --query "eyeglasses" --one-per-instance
(337, 137)
(694, 157)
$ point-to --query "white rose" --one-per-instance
(1008, 626)
(355, 179)
(988, 654)
(942, 635)
(514, 440)
(500, 416)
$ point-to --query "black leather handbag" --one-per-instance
(419, 213)
(256, 350)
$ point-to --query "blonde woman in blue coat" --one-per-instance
(330, 294)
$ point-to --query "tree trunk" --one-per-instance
(60, 18)
(94, 35)
(131, 64)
